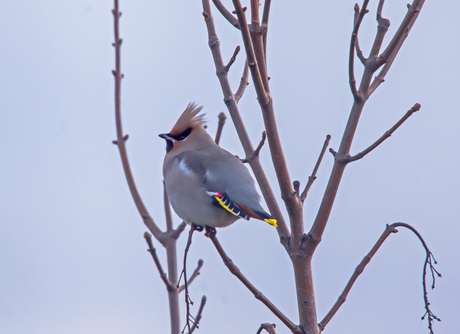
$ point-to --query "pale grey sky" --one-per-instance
(72, 256)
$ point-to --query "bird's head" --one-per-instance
(189, 122)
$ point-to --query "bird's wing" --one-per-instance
(220, 171)
(225, 178)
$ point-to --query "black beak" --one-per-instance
(166, 136)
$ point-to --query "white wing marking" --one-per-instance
(183, 167)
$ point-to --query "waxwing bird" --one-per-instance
(207, 185)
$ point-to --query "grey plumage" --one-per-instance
(195, 166)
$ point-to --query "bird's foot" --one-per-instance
(197, 228)
(210, 232)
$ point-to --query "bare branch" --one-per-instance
(380, 7)
(389, 55)
(257, 32)
(360, 268)
(312, 178)
(351, 60)
(428, 262)
(243, 83)
(382, 28)
(211, 234)
(359, 53)
(194, 275)
(148, 220)
(387, 134)
(264, 26)
(251, 56)
(270, 328)
(152, 251)
(232, 106)
(188, 301)
(220, 126)
(198, 315)
(176, 233)
(232, 60)
(343, 154)
(225, 13)
(168, 216)
(256, 152)
(403, 30)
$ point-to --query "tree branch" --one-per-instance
(389, 55)
(232, 106)
(188, 301)
(250, 54)
(225, 13)
(360, 268)
(428, 262)
(232, 60)
(194, 275)
(387, 134)
(243, 82)
(351, 60)
(176, 233)
(312, 178)
(359, 53)
(148, 220)
(270, 328)
(256, 152)
(152, 251)
(211, 234)
(198, 315)
(168, 216)
(220, 126)
(341, 159)
(264, 26)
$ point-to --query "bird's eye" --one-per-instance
(184, 134)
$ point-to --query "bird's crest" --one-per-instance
(190, 118)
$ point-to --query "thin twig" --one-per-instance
(176, 233)
(198, 315)
(312, 178)
(243, 82)
(428, 262)
(211, 234)
(220, 126)
(152, 251)
(389, 55)
(194, 275)
(225, 13)
(265, 16)
(256, 152)
(148, 221)
(270, 328)
(351, 60)
(257, 32)
(360, 268)
(382, 27)
(403, 30)
(188, 301)
(168, 216)
(232, 60)
(359, 53)
(387, 134)
(251, 56)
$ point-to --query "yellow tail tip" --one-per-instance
(272, 222)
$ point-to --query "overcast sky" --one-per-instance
(72, 254)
